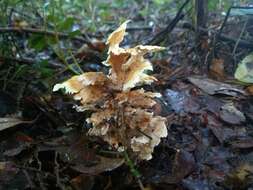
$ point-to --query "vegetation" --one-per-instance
(180, 118)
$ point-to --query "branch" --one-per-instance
(158, 38)
(222, 37)
(40, 31)
(27, 61)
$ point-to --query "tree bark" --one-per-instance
(201, 13)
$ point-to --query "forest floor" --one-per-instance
(43, 141)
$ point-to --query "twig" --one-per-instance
(141, 184)
(242, 31)
(144, 134)
(227, 16)
(109, 184)
(222, 37)
(36, 170)
(38, 175)
(130, 29)
(40, 31)
(42, 186)
(158, 38)
(57, 173)
(28, 61)
(134, 28)
(31, 184)
(224, 23)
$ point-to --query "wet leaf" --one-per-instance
(230, 114)
(103, 165)
(15, 151)
(196, 184)
(241, 177)
(8, 122)
(214, 87)
(242, 143)
(181, 102)
(85, 160)
(184, 164)
(250, 89)
(244, 71)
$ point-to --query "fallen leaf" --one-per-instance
(244, 71)
(103, 165)
(196, 184)
(85, 160)
(8, 122)
(217, 68)
(15, 151)
(230, 114)
(214, 87)
(250, 89)
(240, 177)
(216, 128)
(242, 143)
(184, 164)
(21, 137)
(181, 102)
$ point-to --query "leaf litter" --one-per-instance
(204, 141)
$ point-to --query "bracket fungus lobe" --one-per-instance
(122, 116)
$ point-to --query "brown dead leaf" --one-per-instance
(250, 89)
(103, 165)
(97, 45)
(84, 159)
(217, 68)
(183, 165)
